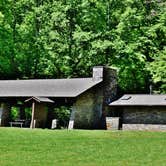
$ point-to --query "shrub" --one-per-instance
(14, 113)
(62, 114)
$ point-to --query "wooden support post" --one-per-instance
(33, 114)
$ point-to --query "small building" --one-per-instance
(88, 98)
(140, 112)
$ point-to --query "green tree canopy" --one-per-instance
(57, 39)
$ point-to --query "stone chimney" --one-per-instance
(91, 107)
(109, 88)
(109, 91)
(109, 84)
(109, 77)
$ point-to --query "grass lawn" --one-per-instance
(22, 147)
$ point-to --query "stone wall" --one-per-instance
(144, 115)
(150, 127)
(90, 108)
(144, 118)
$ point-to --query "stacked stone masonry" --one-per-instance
(91, 106)
(144, 118)
(149, 127)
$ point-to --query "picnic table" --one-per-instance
(17, 122)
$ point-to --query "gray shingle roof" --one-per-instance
(46, 87)
(140, 100)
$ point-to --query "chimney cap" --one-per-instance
(97, 73)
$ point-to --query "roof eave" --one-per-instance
(138, 105)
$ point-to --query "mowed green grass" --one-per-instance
(25, 147)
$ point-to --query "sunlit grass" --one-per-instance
(22, 147)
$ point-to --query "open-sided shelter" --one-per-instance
(88, 97)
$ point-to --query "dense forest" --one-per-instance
(66, 38)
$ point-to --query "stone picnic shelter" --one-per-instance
(93, 101)
(85, 95)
